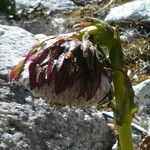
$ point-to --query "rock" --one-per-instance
(46, 6)
(33, 125)
(52, 6)
(47, 25)
(131, 11)
(142, 97)
(85, 2)
(14, 43)
(52, 17)
(145, 70)
(136, 139)
(15, 93)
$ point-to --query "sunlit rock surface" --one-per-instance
(47, 6)
(142, 97)
(142, 100)
(136, 11)
(14, 43)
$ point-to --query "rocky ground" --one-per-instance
(26, 122)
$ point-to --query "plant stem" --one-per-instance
(123, 97)
(122, 110)
(125, 137)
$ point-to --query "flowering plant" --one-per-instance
(78, 69)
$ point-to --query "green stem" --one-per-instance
(123, 96)
(122, 114)
(125, 138)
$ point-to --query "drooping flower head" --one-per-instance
(65, 69)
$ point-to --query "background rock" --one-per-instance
(142, 98)
(134, 11)
(85, 2)
(134, 14)
(14, 43)
(46, 6)
(52, 6)
(42, 16)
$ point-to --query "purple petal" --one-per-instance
(32, 75)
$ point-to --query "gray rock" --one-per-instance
(51, 6)
(14, 43)
(51, 17)
(142, 97)
(47, 25)
(137, 138)
(34, 125)
(85, 2)
(135, 10)
(15, 93)
(47, 6)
